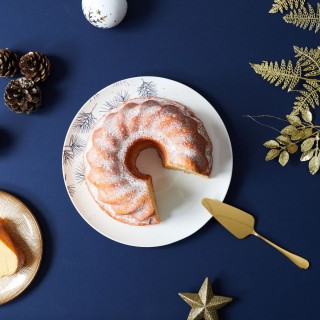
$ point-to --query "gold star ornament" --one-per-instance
(204, 304)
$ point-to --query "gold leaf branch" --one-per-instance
(309, 60)
(299, 13)
(299, 132)
(305, 17)
(279, 73)
(284, 5)
(307, 98)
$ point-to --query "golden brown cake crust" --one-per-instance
(114, 144)
(6, 240)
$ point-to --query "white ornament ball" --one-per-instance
(104, 13)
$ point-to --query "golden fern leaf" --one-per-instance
(308, 98)
(284, 5)
(279, 74)
(309, 60)
(305, 18)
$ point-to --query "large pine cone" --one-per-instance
(22, 96)
(35, 66)
(9, 64)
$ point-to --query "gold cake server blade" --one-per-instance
(241, 225)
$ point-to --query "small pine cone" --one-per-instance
(22, 96)
(9, 64)
(35, 66)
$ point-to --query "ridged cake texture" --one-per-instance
(114, 144)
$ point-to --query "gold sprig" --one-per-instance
(307, 98)
(299, 13)
(309, 60)
(305, 17)
(300, 132)
(279, 73)
(284, 5)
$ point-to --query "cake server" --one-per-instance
(241, 225)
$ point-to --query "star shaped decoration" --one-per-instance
(204, 304)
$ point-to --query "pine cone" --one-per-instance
(9, 64)
(22, 96)
(35, 66)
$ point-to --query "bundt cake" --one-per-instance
(115, 142)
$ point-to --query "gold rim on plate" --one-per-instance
(25, 232)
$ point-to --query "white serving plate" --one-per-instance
(178, 195)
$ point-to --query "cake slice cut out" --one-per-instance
(11, 256)
(115, 142)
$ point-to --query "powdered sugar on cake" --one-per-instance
(173, 126)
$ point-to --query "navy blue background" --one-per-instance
(207, 45)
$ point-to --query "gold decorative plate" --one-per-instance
(26, 234)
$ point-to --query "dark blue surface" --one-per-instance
(207, 45)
